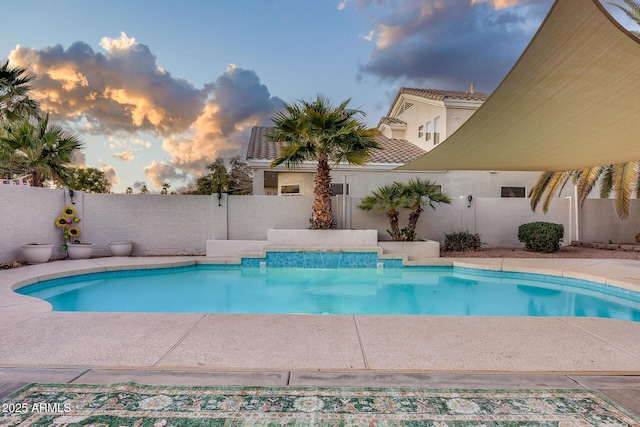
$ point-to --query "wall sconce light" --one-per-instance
(469, 199)
(71, 194)
(219, 197)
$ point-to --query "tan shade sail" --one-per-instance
(571, 101)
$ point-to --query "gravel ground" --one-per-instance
(564, 252)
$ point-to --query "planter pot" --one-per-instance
(80, 250)
(121, 247)
(37, 254)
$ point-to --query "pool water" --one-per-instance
(399, 291)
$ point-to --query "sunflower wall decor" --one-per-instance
(67, 224)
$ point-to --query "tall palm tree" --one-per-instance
(419, 193)
(389, 199)
(319, 131)
(41, 148)
(621, 180)
(14, 94)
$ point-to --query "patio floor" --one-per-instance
(41, 345)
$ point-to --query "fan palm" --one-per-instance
(388, 199)
(621, 180)
(419, 193)
(319, 131)
(14, 89)
(42, 148)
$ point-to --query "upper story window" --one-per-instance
(427, 128)
(436, 130)
(420, 131)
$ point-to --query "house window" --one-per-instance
(336, 189)
(436, 130)
(427, 134)
(512, 192)
(420, 131)
(290, 190)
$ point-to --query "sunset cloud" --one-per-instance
(125, 155)
(122, 90)
(447, 44)
(122, 94)
(239, 101)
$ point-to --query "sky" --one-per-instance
(158, 89)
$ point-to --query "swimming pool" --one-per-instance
(383, 290)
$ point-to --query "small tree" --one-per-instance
(216, 181)
(240, 177)
(390, 200)
(90, 180)
(413, 196)
(418, 193)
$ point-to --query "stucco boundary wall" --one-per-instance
(181, 225)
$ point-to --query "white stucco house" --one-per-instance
(417, 121)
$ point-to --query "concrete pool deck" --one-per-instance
(39, 345)
(33, 336)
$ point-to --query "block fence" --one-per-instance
(181, 224)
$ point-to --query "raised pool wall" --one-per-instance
(181, 225)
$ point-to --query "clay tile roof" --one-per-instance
(392, 121)
(442, 94)
(395, 151)
(439, 95)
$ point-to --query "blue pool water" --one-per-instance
(351, 290)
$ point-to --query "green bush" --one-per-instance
(541, 236)
(462, 241)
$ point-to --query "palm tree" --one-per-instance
(165, 188)
(15, 103)
(389, 199)
(319, 131)
(621, 180)
(633, 12)
(418, 193)
(41, 148)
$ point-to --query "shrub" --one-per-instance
(462, 241)
(541, 236)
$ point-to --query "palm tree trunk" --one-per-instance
(414, 216)
(394, 221)
(322, 217)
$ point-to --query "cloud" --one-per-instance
(123, 95)
(159, 173)
(110, 174)
(120, 90)
(499, 4)
(447, 44)
(239, 101)
(126, 155)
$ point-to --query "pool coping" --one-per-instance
(34, 336)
